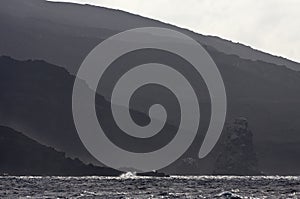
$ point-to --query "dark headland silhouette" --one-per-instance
(36, 96)
(20, 155)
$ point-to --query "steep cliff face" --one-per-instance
(237, 155)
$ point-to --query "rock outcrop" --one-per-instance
(237, 156)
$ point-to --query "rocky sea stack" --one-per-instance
(237, 155)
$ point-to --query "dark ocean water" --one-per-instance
(150, 187)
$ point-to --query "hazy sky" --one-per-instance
(269, 25)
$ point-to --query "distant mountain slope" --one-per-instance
(63, 33)
(36, 99)
(36, 96)
(20, 155)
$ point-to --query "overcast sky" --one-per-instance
(269, 25)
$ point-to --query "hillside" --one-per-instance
(45, 43)
(36, 99)
(20, 155)
(64, 33)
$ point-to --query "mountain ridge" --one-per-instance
(83, 22)
(214, 37)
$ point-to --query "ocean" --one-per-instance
(130, 186)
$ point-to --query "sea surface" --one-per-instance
(130, 186)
